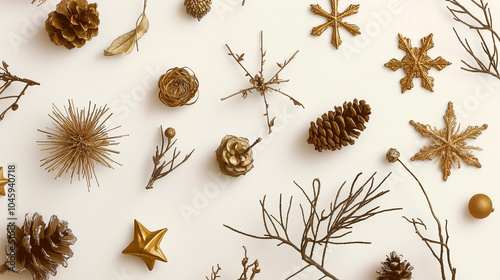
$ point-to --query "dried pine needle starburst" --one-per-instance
(79, 141)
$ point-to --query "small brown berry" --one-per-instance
(170, 132)
(14, 106)
(392, 155)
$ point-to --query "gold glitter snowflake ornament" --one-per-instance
(416, 63)
(448, 144)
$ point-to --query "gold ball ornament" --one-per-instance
(480, 206)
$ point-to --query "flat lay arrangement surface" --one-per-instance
(259, 139)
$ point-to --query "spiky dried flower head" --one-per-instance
(78, 141)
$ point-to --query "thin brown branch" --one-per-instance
(8, 79)
(321, 227)
(483, 24)
(442, 251)
(159, 165)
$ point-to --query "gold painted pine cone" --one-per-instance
(234, 156)
(73, 23)
(41, 248)
(197, 8)
(339, 128)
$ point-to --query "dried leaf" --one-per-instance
(5, 65)
(126, 42)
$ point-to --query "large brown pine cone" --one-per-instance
(197, 8)
(234, 156)
(394, 268)
(73, 23)
(338, 128)
(41, 248)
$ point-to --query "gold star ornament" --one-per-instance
(416, 63)
(448, 144)
(335, 20)
(146, 245)
(3, 181)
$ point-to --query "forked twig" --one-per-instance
(253, 268)
(158, 172)
(443, 253)
(8, 79)
(490, 39)
(321, 227)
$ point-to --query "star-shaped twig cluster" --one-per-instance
(448, 144)
(416, 63)
(258, 81)
(335, 20)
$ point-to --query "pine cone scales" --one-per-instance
(339, 128)
(73, 23)
(235, 156)
(197, 8)
(394, 268)
(41, 248)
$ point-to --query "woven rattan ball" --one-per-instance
(178, 87)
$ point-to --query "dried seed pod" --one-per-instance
(235, 155)
(178, 86)
(339, 128)
(73, 23)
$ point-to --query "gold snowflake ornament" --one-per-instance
(335, 20)
(416, 63)
(448, 144)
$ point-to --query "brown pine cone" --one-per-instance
(338, 128)
(395, 268)
(234, 156)
(41, 248)
(73, 23)
(197, 8)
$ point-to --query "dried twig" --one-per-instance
(158, 172)
(442, 253)
(41, 2)
(258, 81)
(8, 78)
(215, 273)
(253, 268)
(490, 39)
(321, 227)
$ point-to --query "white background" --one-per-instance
(196, 200)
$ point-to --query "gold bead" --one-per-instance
(480, 206)
(170, 132)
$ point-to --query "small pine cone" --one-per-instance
(41, 248)
(394, 268)
(197, 8)
(73, 23)
(338, 128)
(234, 156)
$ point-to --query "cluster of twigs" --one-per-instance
(490, 39)
(178, 86)
(159, 165)
(322, 227)
(252, 268)
(258, 81)
(442, 252)
(8, 79)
